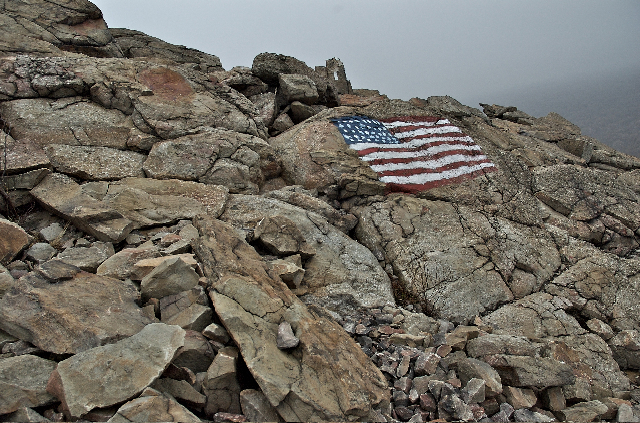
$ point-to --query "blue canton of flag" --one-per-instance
(359, 129)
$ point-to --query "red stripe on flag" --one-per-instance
(416, 188)
(423, 170)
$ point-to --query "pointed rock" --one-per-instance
(108, 375)
(169, 278)
(286, 338)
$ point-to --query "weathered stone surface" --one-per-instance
(256, 407)
(95, 163)
(298, 196)
(286, 338)
(138, 44)
(22, 156)
(67, 121)
(13, 240)
(280, 236)
(331, 272)
(40, 252)
(110, 374)
(23, 382)
(103, 310)
(519, 398)
(296, 87)
(121, 264)
(169, 278)
(583, 412)
(56, 29)
(221, 385)
(501, 344)
(180, 390)
(535, 316)
(526, 371)
(87, 258)
(196, 354)
(64, 197)
(327, 376)
(153, 406)
(195, 317)
(173, 305)
(24, 414)
(193, 157)
(167, 200)
(471, 368)
(626, 349)
(467, 252)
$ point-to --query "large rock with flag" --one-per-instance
(351, 257)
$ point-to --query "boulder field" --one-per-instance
(181, 242)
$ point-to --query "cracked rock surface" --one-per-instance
(181, 242)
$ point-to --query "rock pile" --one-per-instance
(179, 242)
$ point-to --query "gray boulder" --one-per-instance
(108, 375)
(23, 382)
(103, 310)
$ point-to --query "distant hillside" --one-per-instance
(606, 108)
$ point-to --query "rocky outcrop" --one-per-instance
(181, 242)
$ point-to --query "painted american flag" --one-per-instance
(414, 153)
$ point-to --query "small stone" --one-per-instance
(524, 415)
(403, 413)
(400, 399)
(427, 402)
(625, 414)
(403, 384)
(553, 399)
(217, 333)
(519, 398)
(474, 391)
(170, 277)
(426, 364)
(286, 338)
(41, 252)
(583, 412)
(600, 328)
(403, 367)
(414, 397)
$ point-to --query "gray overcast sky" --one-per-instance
(469, 49)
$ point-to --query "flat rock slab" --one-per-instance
(23, 382)
(95, 163)
(102, 310)
(171, 198)
(327, 377)
(111, 374)
(61, 195)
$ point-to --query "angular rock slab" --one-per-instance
(111, 374)
(23, 382)
(165, 201)
(61, 195)
(327, 377)
(340, 268)
(72, 315)
(95, 163)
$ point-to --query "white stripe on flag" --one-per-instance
(427, 131)
(410, 144)
(428, 164)
(381, 155)
(424, 178)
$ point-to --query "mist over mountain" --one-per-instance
(605, 107)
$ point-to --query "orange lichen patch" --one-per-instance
(87, 27)
(167, 84)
